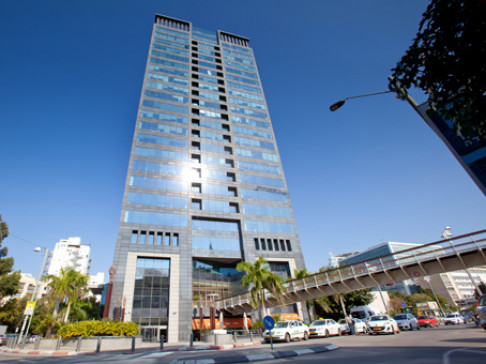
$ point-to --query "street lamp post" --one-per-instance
(446, 234)
(427, 279)
(34, 296)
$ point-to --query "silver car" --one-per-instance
(407, 321)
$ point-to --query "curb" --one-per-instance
(167, 349)
(257, 357)
(38, 352)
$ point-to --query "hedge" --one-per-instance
(98, 328)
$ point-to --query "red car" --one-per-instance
(427, 321)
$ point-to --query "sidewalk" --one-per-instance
(147, 347)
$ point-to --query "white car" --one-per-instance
(286, 331)
(407, 321)
(382, 324)
(360, 327)
(454, 319)
(324, 328)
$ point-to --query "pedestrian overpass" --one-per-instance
(460, 252)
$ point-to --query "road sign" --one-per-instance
(29, 308)
(404, 304)
(268, 322)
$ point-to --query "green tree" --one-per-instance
(12, 313)
(70, 285)
(259, 278)
(447, 60)
(9, 282)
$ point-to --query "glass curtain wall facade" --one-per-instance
(205, 187)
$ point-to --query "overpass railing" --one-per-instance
(454, 246)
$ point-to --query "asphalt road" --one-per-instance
(446, 345)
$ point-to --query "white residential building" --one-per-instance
(69, 253)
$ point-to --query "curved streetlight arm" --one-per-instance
(340, 103)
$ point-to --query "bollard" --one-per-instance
(191, 340)
(37, 343)
(58, 344)
(98, 345)
(161, 342)
(133, 344)
(234, 337)
(78, 344)
(251, 336)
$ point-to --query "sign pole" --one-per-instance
(269, 323)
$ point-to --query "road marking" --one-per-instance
(445, 358)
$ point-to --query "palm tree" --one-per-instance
(69, 284)
(76, 289)
(260, 278)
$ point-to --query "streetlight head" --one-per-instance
(37, 249)
(336, 105)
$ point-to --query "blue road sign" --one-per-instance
(404, 304)
(268, 322)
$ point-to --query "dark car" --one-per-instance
(427, 321)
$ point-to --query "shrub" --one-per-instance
(98, 328)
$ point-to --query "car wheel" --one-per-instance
(287, 337)
(306, 336)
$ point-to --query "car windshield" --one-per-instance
(318, 323)
(451, 315)
(282, 325)
(400, 317)
(379, 318)
(423, 317)
(359, 314)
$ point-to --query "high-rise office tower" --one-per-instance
(205, 188)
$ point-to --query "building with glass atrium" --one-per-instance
(205, 187)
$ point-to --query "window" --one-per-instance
(167, 239)
(227, 138)
(225, 127)
(196, 188)
(289, 247)
(262, 242)
(257, 244)
(142, 237)
(275, 242)
(175, 240)
(195, 133)
(232, 192)
(196, 145)
(159, 238)
(134, 236)
(230, 177)
(269, 244)
(228, 150)
(229, 163)
(233, 207)
(196, 204)
(195, 122)
(195, 158)
(151, 238)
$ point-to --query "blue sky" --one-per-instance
(370, 172)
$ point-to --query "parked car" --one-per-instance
(360, 326)
(454, 319)
(286, 331)
(362, 312)
(428, 321)
(324, 328)
(382, 324)
(2, 339)
(481, 310)
(406, 321)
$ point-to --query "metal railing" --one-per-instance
(454, 247)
